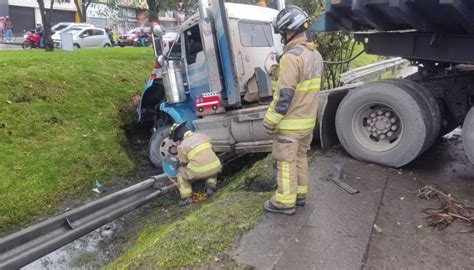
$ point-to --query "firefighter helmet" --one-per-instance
(291, 18)
(177, 131)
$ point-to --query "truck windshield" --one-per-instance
(172, 42)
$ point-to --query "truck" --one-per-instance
(227, 50)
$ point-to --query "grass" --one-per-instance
(60, 126)
(195, 237)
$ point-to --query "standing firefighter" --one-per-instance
(291, 117)
(197, 161)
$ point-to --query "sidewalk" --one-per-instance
(335, 229)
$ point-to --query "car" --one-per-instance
(63, 26)
(89, 37)
(131, 37)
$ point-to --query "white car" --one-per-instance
(63, 26)
(86, 37)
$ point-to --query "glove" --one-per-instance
(269, 128)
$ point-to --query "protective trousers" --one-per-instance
(291, 166)
(186, 177)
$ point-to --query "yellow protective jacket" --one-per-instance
(295, 101)
(196, 151)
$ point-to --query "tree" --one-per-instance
(46, 21)
(81, 7)
(336, 48)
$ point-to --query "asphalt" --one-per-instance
(335, 230)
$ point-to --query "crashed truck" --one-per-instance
(213, 73)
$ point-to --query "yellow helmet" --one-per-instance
(177, 130)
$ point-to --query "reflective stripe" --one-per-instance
(185, 191)
(285, 176)
(188, 133)
(297, 124)
(312, 84)
(273, 116)
(212, 181)
(204, 168)
(198, 149)
(302, 189)
(274, 85)
(285, 198)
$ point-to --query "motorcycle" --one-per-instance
(32, 40)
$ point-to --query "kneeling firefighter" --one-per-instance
(197, 161)
(291, 117)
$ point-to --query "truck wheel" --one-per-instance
(383, 123)
(155, 146)
(430, 102)
(468, 135)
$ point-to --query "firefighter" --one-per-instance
(291, 116)
(197, 161)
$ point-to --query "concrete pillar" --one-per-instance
(4, 11)
(38, 16)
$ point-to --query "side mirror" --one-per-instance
(158, 30)
(161, 60)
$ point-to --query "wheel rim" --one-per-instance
(377, 127)
(165, 146)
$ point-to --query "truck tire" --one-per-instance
(383, 122)
(468, 135)
(154, 146)
(432, 105)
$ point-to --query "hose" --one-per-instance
(345, 61)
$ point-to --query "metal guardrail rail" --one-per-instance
(361, 72)
(32, 243)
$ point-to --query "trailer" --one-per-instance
(391, 122)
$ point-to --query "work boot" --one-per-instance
(210, 191)
(185, 201)
(300, 201)
(268, 205)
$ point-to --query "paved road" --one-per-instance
(335, 230)
(6, 46)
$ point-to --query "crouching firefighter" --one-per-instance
(291, 116)
(197, 161)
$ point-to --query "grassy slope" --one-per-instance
(60, 124)
(206, 230)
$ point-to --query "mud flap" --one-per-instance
(328, 104)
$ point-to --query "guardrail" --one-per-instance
(361, 72)
(24, 247)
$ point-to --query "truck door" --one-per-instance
(197, 75)
(254, 46)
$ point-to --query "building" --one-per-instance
(25, 14)
(129, 14)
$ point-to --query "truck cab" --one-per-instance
(222, 54)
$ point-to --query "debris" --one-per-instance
(402, 198)
(419, 226)
(377, 228)
(216, 259)
(296, 240)
(9, 101)
(338, 181)
(199, 197)
(399, 224)
(98, 187)
(448, 211)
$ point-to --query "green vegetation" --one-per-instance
(200, 234)
(60, 124)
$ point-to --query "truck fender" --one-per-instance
(179, 112)
(326, 125)
(153, 94)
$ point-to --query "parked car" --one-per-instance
(90, 37)
(131, 37)
(63, 26)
